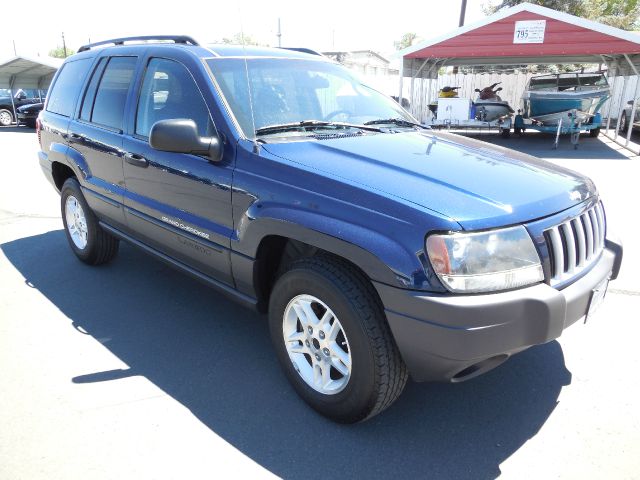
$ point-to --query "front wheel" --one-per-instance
(332, 339)
(6, 117)
(87, 239)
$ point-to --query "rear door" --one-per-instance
(96, 135)
(178, 203)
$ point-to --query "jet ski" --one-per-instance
(489, 106)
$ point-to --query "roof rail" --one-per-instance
(120, 41)
(302, 50)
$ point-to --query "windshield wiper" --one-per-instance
(310, 124)
(396, 121)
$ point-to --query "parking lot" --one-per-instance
(132, 370)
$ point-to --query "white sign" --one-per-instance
(529, 31)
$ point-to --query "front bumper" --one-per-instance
(457, 337)
(27, 116)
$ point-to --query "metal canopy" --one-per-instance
(566, 39)
(25, 72)
(558, 38)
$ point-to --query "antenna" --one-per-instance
(256, 145)
(279, 34)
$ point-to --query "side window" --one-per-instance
(108, 107)
(169, 91)
(90, 95)
(64, 92)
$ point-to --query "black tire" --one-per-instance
(31, 123)
(378, 374)
(6, 117)
(594, 133)
(101, 247)
(624, 121)
(505, 133)
(517, 130)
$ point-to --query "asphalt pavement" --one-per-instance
(133, 370)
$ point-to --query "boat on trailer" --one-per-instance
(549, 98)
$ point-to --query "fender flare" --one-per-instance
(381, 258)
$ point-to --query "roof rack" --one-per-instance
(302, 50)
(120, 41)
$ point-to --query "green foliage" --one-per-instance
(58, 52)
(407, 40)
(624, 14)
(239, 39)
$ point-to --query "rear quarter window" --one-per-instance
(65, 91)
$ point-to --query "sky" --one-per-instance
(324, 25)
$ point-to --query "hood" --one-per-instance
(477, 184)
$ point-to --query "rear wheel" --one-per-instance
(624, 122)
(332, 340)
(89, 242)
(594, 132)
(6, 117)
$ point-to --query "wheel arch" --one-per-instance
(272, 240)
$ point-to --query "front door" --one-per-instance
(177, 203)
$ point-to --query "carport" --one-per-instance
(528, 34)
(25, 72)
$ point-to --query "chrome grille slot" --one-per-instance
(576, 243)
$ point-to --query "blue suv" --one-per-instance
(379, 248)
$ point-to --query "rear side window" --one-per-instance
(65, 91)
(111, 96)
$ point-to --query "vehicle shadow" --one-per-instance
(215, 358)
(18, 129)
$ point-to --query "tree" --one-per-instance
(622, 14)
(239, 39)
(58, 52)
(406, 41)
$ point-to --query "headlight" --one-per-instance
(485, 261)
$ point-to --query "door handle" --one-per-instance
(136, 160)
(74, 137)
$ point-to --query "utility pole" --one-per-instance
(279, 34)
(463, 11)
(14, 48)
(64, 46)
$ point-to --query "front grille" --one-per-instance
(576, 244)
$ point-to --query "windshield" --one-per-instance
(286, 91)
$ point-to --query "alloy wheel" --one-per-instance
(317, 344)
(76, 222)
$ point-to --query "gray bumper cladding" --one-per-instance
(457, 337)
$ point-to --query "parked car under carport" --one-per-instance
(625, 118)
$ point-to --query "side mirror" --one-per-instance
(180, 135)
(21, 96)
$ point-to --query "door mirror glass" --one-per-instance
(181, 135)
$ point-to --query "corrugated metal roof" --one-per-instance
(491, 41)
(28, 72)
